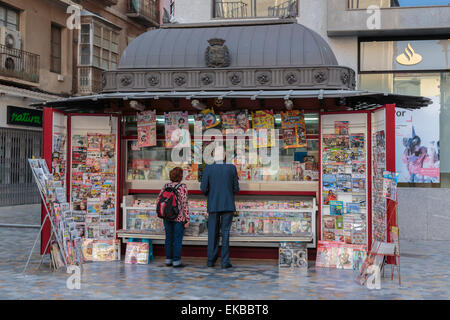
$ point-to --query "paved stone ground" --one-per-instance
(425, 275)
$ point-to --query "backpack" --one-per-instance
(167, 207)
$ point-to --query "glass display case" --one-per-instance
(258, 220)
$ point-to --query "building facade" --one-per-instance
(395, 46)
(51, 49)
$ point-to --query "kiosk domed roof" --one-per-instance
(260, 46)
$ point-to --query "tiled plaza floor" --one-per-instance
(425, 275)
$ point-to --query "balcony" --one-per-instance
(144, 12)
(243, 9)
(89, 80)
(231, 10)
(19, 64)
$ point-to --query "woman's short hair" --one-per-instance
(176, 174)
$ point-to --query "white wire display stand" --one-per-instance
(55, 236)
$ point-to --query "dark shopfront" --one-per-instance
(230, 68)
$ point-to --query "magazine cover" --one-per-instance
(105, 250)
(263, 122)
(329, 141)
(108, 143)
(358, 167)
(292, 255)
(357, 141)
(294, 129)
(339, 222)
(209, 119)
(341, 127)
(328, 196)
(329, 235)
(94, 142)
(86, 248)
(358, 183)
(353, 207)
(228, 120)
(323, 254)
(359, 255)
(329, 182)
(334, 254)
(344, 182)
(146, 127)
(242, 120)
(343, 142)
(329, 222)
(177, 129)
(337, 156)
(345, 258)
(336, 208)
(137, 253)
(79, 142)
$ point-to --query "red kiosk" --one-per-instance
(166, 81)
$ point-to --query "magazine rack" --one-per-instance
(383, 253)
(48, 216)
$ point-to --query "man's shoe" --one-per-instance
(179, 265)
(228, 265)
(210, 265)
(168, 264)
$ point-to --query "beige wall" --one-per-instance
(36, 19)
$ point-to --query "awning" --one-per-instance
(354, 99)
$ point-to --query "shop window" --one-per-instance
(429, 125)
(55, 55)
(417, 68)
(241, 9)
(405, 55)
(364, 4)
(9, 18)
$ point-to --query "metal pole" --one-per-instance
(35, 241)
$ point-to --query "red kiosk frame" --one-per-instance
(241, 252)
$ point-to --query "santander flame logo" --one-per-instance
(410, 57)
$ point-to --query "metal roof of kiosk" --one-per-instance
(279, 59)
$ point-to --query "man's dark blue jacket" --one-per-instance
(220, 183)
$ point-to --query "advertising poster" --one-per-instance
(263, 123)
(417, 144)
(146, 125)
(294, 129)
(177, 129)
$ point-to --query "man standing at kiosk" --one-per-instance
(220, 184)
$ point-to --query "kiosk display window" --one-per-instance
(153, 163)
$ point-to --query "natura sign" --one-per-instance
(24, 117)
